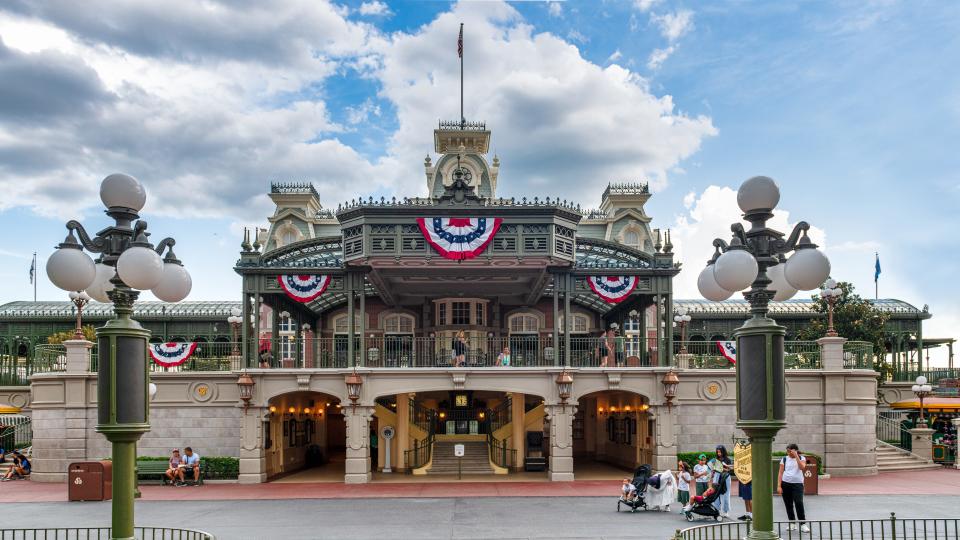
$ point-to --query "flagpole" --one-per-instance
(463, 119)
(34, 276)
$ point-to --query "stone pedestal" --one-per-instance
(78, 355)
(922, 440)
(253, 466)
(665, 439)
(560, 467)
(357, 466)
(831, 353)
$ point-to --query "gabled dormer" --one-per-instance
(468, 141)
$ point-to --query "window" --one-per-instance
(398, 324)
(524, 324)
(340, 324)
(461, 313)
(632, 239)
(581, 324)
(442, 314)
(479, 320)
(289, 237)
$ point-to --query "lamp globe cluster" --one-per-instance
(736, 268)
(681, 316)
(830, 290)
(139, 265)
(921, 386)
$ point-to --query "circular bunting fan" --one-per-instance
(459, 238)
(303, 288)
(171, 354)
(613, 289)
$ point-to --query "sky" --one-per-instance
(853, 107)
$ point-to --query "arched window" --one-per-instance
(522, 323)
(396, 323)
(340, 324)
(288, 237)
(632, 239)
(580, 323)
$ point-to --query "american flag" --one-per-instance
(460, 42)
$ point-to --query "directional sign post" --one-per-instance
(458, 452)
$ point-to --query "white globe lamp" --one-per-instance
(807, 269)
(778, 283)
(758, 193)
(70, 269)
(709, 288)
(735, 270)
(122, 191)
(101, 285)
(140, 267)
(175, 284)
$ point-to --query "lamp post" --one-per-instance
(681, 318)
(564, 387)
(670, 382)
(79, 299)
(755, 258)
(922, 390)
(235, 321)
(831, 294)
(128, 264)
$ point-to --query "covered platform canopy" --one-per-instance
(933, 404)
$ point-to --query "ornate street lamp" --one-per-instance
(670, 382)
(79, 299)
(235, 321)
(245, 387)
(755, 258)
(922, 390)
(564, 387)
(681, 318)
(128, 261)
(354, 383)
(830, 293)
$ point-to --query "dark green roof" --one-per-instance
(98, 311)
(799, 308)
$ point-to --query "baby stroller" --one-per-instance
(641, 476)
(705, 508)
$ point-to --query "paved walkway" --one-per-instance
(929, 482)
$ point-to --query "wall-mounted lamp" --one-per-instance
(443, 415)
(292, 410)
(564, 386)
(354, 382)
(670, 382)
(482, 415)
(245, 386)
(273, 409)
(306, 410)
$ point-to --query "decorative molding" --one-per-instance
(459, 380)
(613, 380)
(303, 381)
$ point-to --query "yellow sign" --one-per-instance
(743, 462)
(713, 388)
(202, 390)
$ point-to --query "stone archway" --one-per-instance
(613, 432)
(304, 438)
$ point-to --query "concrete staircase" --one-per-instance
(476, 459)
(890, 458)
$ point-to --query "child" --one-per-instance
(629, 490)
(504, 358)
(701, 473)
(683, 483)
(711, 488)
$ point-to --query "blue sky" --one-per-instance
(853, 107)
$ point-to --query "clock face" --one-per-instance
(461, 400)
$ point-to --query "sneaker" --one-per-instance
(792, 527)
(805, 528)
(742, 518)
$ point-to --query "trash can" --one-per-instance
(810, 475)
(90, 481)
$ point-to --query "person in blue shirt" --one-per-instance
(189, 465)
(20, 469)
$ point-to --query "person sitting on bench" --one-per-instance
(174, 473)
(189, 466)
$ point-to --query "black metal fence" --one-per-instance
(102, 533)
(891, 528)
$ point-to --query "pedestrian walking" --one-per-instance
(790, 486)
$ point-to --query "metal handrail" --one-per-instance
(892, 528)
(103, 533)
(420, 454)
(500, 415)
(858, 355)
(500, 455)
(933, 375)
(706, 355)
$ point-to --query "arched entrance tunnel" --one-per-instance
(304, 438)
(613, 433)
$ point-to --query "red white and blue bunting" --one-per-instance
(171, 354)
(459, 238)
(303, 288)
(613, 289)
(729, 350)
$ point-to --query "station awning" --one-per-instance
(933, 404)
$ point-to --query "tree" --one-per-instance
(854, 318)
(89, 334)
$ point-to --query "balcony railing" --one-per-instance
(102, 533)
(706, 355)
(933, 375)
(891, 528)
(858, 355)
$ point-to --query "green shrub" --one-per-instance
(691, 458)
(214, 468)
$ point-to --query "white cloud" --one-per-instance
(645, 5)
(362, 112)
(659, 56)
(615, 56)
(674, 25)
(555, 9)
(558, 120)
(374, 8)
(575, 35)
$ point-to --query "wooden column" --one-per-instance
(518, 436)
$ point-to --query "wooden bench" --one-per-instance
(159, 468)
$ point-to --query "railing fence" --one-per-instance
(102, 533)
(891, 528)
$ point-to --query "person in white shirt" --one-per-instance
(629, 490)
(790, 485)
(683, 484)
(702, 474)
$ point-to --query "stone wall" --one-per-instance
(18, 396)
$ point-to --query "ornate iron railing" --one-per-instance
(419, 455)
(891, 528)
(933, 375)
(102, 533)
(891, 431)
(858, 355)
(500, 455)
(421, 416)
(706, 355)
(500, 415)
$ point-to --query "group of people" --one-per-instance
(183, 467)
(20, 469)
(460, 349)
(609, 349)
(706, 476)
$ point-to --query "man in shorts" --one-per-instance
(189, 466)
(746, 493)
